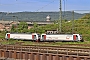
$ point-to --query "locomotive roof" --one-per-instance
(22, 33)
(60, 34)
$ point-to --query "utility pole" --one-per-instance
(60, 17)
(73, 21)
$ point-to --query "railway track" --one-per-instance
(50, 43)
(77, 45)
(49, 49)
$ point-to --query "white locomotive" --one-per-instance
(45, 37)
(61, 37)
(33, 36)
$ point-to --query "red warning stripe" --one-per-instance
(44, 37)
(74, 37)
(32, 36)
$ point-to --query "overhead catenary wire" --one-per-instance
(27, 3)
(45, 5)
(15, 4)
(30, 2)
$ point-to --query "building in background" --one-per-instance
(6, 25)
(48, 18)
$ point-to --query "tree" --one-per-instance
(13, 29)
(87, 16)
(35, 27)
(22, 26)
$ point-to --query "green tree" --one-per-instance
(35, 26)
(13, 29)
(87, 16)
(22, 27)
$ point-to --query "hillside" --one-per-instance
(38, 16)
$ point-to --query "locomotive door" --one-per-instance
(75, 37)
(43, 37)
(34, 37)
(8, 36)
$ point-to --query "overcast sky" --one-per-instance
(42, 5)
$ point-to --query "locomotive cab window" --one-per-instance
(76, 37)
(43, 37)
(34, 36)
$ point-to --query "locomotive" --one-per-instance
(18, 36)
(61, 37)
(45, 37)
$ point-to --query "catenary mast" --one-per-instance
(60, 18)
